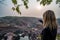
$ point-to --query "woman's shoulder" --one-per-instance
(45, 30)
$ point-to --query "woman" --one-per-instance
(50, 26)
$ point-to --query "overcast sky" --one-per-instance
(35, 9)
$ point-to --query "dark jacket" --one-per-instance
(48, 34)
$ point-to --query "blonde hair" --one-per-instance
(49, 19)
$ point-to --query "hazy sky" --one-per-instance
(35, 9)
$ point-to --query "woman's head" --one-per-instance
(49, 19)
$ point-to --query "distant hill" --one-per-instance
(13, 23)
(58, 21)
(20, 21)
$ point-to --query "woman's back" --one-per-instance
(48, 34)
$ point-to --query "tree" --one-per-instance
(25, 3)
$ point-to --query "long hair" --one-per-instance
(49, 19)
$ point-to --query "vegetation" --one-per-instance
(25, 3)
(58, 37)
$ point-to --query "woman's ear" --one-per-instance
(41, 21)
